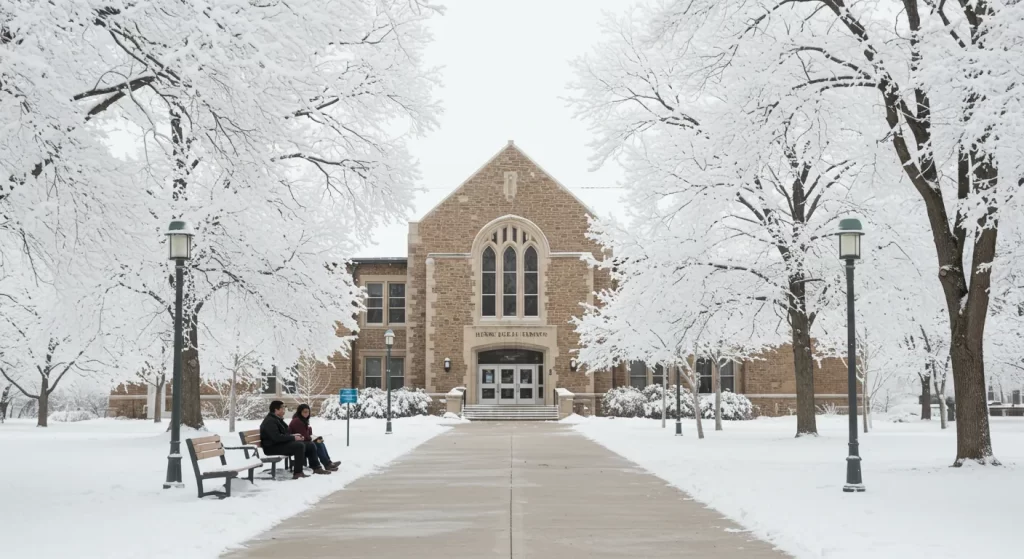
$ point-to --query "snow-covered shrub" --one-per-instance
(624, 401)
(373, 403)
(653, 394)
(68, 416)
(828, 409)
(735, 407)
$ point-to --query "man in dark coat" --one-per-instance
(276, 440)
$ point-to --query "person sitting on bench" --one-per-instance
(300, 426)
(276, 440)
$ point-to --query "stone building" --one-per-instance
(483, 300)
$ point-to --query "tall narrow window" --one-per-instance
(530, 282)
(489, 283)
(397, 373)
(375, 303)
(658, 376)
(638, 375)
(372, 372)
(727, 376)
(508, 272)
(704, 370)
(396, 303)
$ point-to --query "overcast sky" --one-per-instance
(506, 66)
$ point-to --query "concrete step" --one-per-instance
(510, 413)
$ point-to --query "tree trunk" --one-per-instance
(926, 398)
(803, 364)
(716, 378)
(231, 410)
(191, 406)
(973, 439)
(696, 410)
(158, 402)
(942, 412)
(44, 401)
(864, 398)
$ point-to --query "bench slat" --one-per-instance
(207, 446)
(202, 440)
(209, 454)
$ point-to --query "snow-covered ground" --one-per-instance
(789, 491)
(94, 488)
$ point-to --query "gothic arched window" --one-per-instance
(510, 274)
(490, 283)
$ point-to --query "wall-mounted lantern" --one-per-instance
(447, 364)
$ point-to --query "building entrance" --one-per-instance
(510, 377)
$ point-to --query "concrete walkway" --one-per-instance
(510, 490)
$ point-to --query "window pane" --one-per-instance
(489, 259)
(530, 304)
(508, 260)
(494, 237)
(373, 367)
(504, 234)
(508, 393)
(488, 309)
(270, 382)
(638, 382)
(509, 306)
(638, 369)
(530, 283)
(396, 303)
(489, 284)
(373, 382)
(728, 383)
(659, 375)
(509, 283)
(515, 234)
(375, 316)
(488, 394)
(397, 373)
(526, 393)
(508, 376)
(530, 259)
(375, 290)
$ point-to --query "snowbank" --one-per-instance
(94, 488)
(789, 491)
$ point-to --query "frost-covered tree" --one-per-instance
(942, 74)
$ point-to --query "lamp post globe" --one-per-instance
(179, 241)
(850, 232)
(389, 340)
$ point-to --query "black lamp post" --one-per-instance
(389, 340)
(850, 232)
(179, 239)
(679, 408)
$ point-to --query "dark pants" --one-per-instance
(311, 455)
(321, 452)
(296, 449)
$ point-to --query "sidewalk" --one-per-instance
(512, 490)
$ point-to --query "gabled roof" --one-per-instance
(511, 144)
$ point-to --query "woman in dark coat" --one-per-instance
(300, 426)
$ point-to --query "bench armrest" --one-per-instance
(247, 448)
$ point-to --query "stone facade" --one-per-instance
(509, 204)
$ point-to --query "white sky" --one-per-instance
(506, 66)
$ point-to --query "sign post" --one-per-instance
(348, 396)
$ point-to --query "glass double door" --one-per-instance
(511, 384)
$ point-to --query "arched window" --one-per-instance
(509, 291)
(510, 278)
(531, 282)
(490, 283)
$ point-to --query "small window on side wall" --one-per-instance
(372, 372)
(396, 303)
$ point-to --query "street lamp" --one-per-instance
(179, 240)
(679, 409)
(389, 340)
(850, 232)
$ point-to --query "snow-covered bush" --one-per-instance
(69, 416)
(735, 407)
(653, 394)
(624, 401)
(373, 403)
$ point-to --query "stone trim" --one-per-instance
(431, 299)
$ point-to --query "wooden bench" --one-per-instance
(251, 442)
(203, 448)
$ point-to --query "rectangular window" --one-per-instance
(727, 377)
(375, 303)
(397, 373)
(372, 372)
(705, 386)
(638, 375)
(270, 381)
(396, 303)
(659, 375)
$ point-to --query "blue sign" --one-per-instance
(349, 396)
